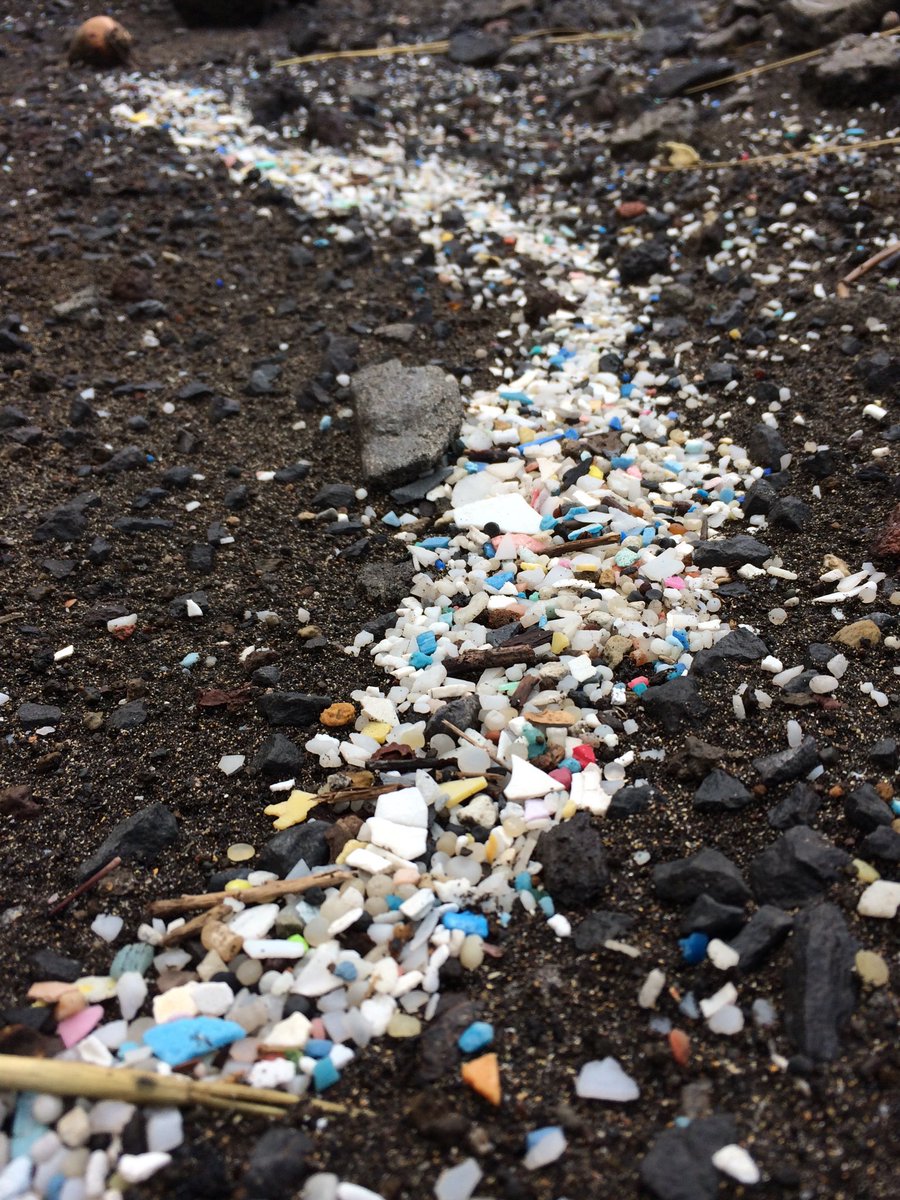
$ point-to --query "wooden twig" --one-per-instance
(261, 894)
(762, 160)
(60, 1078)
(864, 268)
(86, 886)
(773, 66)
(588, 543)
(367, 793)
(467, 737)
(195, 926)
(473, 662)
(442, 46)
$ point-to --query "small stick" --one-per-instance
(13, 616)
(527, 684)
(253, 895)
(195, 925)
(350, 794)
(60, 1078)
(864, 268)
(605, 539)
(467, 737)
(86, 886)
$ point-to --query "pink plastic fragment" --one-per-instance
(674, 581)
(563, 775)
(73, 1029)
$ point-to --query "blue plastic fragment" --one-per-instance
(136, 956)
(523, 882)
(346, 971)
(420, 661)
(318, 1047)
(693, 948)
(434, 543)
(325, 1073)
(190, 660)
(179, 1041)
(538, 1135)
(497, 581)
(478, 1035)
(427, 642)
(547, 906)
(468, 922)
(25, 1130)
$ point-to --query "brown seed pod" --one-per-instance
(101, 42)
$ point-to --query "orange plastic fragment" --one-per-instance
(482, 1075)
(680, 1045)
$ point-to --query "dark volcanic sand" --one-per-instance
(90, 199)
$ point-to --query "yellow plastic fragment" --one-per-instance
(237, 885)
(569, 811)
(458, 790)
(294, 810)
(595, 472)
(865, 872)
(377, 730)
(558, 643)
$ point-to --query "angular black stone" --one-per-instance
(759, 499)
(285, 849)
(675, 702)
(35, 716)
(799, 807)
(99, 551)
(335, 495)
(50, 965)
(143, 837)
(765, 446)
(574, 862)
(865, 809)
(788, 764)
(638, 263)
(128, 716)
(278, 755)
(385, 583)
(885, 754)
(796, 868)
(462, 712)
(628, 801)
(142, 524)
(129, 458)
(819, 989)
(763, 933)
(707, 915)
(473, 48)
(292, 708)
(738, 646)
(679, 1165)
(277, 1165)
(790, 512)
(708, 871)
(732, 552)
(600, 927)
(883, 843)
(721, 792)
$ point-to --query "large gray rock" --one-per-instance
(819, 993)
(858, 68)
(640, 138)
(407, 418)
(811, 23)
(141, 838)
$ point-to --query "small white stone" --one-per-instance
(712, 1004)
(604, 1079)
(651, 988)
(405, 841)
(229, 763)
(560, 925)
(722, 955)
(880, 899)
(821, 685)
(273, 948)
(212, 999)
(271, 1073)
(405, 807)
(107, 927)
(728, 1020)
(510, 513)
(292, 1032)
(254, 922)
(131, 990)
(355, 1191)
(546, 1150)
(47, 1109)
(734, 1161)
(193, 609)
(164, 1130)
(135, 1168)
(459, 1182)
(74, 1127)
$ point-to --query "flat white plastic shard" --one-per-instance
(511, 514)
(529, 782)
